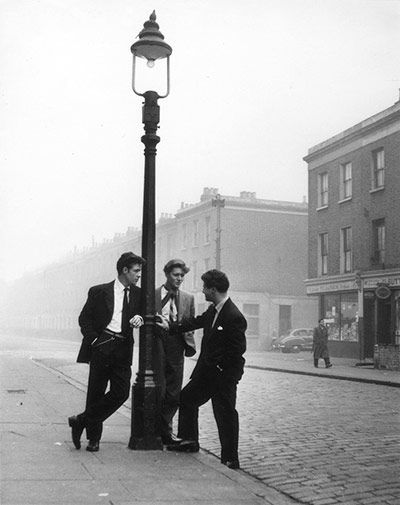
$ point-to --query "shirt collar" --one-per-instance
(119, 285)
(219, 305)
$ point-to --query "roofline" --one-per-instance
(385, 117)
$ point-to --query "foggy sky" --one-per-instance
(254, 84)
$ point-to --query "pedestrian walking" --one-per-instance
(320, 344)
(175, 305)
(107, 321)
(217, 372)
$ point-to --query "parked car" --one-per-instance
(299, 339)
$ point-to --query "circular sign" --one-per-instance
(383, 292)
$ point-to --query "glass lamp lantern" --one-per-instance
(151, 46)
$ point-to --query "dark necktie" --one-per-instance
(125, 313)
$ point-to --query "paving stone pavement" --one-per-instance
(319, 441)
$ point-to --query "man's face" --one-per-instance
(209, 293)
(175, 278)
(132, 275)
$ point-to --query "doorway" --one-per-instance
(384, 321)
(285, 319)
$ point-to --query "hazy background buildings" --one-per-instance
(254, 84)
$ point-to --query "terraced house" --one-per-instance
(354, 236)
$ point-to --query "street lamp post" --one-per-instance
(218, 202)
(145, 391)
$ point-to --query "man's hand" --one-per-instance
(162, 322)
(136, 321)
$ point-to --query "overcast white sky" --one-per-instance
(255, 83)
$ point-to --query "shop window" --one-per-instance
(251, 312)
(341, 316)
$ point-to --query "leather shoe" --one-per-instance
(184, 446)
(93, 446)
(170, 439)
(233, 465)
(76, 430)
(328, 365)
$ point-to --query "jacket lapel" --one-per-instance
(109, 297)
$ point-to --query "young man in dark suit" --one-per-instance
(107, 321)
(217, 372)
(175, 305)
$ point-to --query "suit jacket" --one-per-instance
(97, 314)
(320, 335)
(185, 309)
(223, 344)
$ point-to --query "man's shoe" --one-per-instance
(184, 446)
(93, 446)
(170, 439)
(76, 430)
(233, 465)
(328, 365)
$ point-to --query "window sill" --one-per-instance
(348, 199)
(375, 190)
(321, 208)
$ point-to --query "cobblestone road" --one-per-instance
(319, 441)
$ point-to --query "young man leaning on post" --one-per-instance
(107, 321)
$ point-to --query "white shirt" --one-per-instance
(115, 323)
(218, 308)
(170, 306)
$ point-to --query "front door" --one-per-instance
(369, 327)
(384, 321)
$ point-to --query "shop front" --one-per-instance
(362, 311)
(339, 304)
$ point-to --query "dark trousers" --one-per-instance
(104, 369)
(222, 392)
(169, 369)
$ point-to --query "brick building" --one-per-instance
(354, 234)
(262, 247)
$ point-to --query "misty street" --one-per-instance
(317, 440)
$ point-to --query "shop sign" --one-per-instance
(375, 282)
(382, 291)
(332, 286)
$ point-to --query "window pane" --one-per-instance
(349, 317)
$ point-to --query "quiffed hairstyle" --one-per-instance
(127, 260)
(176, 263)
(216, 279)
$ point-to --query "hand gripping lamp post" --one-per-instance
(145, 393)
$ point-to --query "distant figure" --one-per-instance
(320, 344)
(175, 305)
(217, 372)
(107, 321)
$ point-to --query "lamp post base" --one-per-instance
(145, 400)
